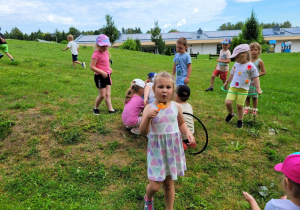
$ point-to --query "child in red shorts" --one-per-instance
(222, 66)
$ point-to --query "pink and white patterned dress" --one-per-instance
(165, 154)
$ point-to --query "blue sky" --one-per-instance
(183, 15)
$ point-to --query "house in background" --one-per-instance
(207, 42)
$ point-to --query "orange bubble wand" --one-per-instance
(161, 106)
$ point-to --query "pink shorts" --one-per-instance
(223, 74)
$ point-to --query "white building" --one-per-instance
(208, 42)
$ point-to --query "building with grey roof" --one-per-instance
(208, 42)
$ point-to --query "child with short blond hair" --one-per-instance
(74, 47)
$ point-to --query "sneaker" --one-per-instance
(12, 60)
(135, 130)
(83, 64)
(1, 55)
(148, 204)
(112, 112)
(229, 117)
(239, 124)
(96, 111)
(193, 145)
(246, 111)
(211, 88)
(254, 112)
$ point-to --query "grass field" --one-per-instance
(55, 154)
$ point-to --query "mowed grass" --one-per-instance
(55, 154)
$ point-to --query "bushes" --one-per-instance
(131, 44)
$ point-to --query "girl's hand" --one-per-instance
(104, 74)
(248, 197)
(259, 91)
(284, 197)
(190, 138)
(153, 113)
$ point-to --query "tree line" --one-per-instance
(239, 25)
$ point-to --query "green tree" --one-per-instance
(156, 37)
(168, 51)
(131, 30)
(173, 30)
(15, 33)
(138, 45)
(110, 29)
(75, 32)
(129, 44)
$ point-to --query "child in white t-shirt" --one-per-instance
(240, 76)
(149, 95)
(73, 46)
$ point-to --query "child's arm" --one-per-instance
(183, 127)
(257, 85)
(251, 200)
(95, 69)
(146, 94)
(174, 69)
(228, 80)
(224, 61)
(148, 114)
(262, 68)
(189, 71)
(66, 48)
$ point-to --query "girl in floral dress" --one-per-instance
(163, 123)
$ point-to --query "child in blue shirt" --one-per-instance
(182, 63)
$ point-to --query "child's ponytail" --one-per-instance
(134, 89)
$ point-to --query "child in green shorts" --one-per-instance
(241, 74)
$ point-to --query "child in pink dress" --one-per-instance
(165, 154)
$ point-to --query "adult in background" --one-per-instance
(4, 47)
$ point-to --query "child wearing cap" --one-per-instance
(74, 47)
(291, 185)
(182, 63)
(241, 74)
(149, 95)
(100, 65)
(222, 66)
(134, 104)
(182, 95)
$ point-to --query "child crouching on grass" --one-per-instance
(241, 74)
(291, 185)
(134, 104)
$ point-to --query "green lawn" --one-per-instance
(55, 154)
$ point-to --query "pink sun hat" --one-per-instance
(290, 167)
(239, 49)
(103, 40)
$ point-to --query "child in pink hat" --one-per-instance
(100, 65)
(291, 184)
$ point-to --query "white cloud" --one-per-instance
(166, 26)
(180, 23)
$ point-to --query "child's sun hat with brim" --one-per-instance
(103, 40)
(240, 49)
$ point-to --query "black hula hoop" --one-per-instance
(206, 142)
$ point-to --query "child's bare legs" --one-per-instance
(254, 102)
(212, 80)
(104, 93)
(247, 102)
(78, 62)
(169, 192)
(152, 188)
(9, 55)
(240, 111)
(229, 107)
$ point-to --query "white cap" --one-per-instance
(239, 49)
(138, 82)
